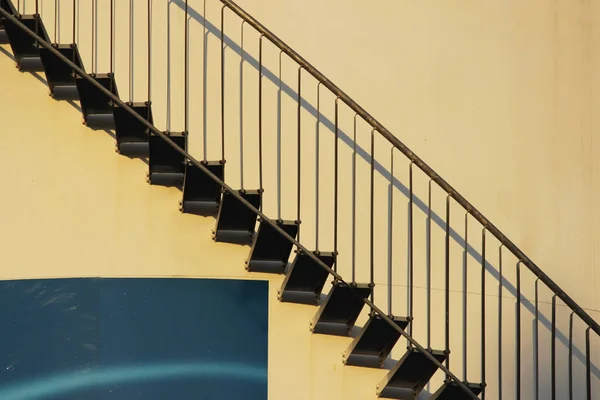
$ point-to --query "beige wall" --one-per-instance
(498, 98)
(72, 207)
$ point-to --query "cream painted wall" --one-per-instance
(498, 98)
(72, 207)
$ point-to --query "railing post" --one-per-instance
(279, 76)
(336, 184)
(149, 58)
(317, 165)
(242, 105)
(465, 299)
(131, 56)
(372, 217)
(410, 250)
(186, 61)
(483, 312)
(354, 204)
(447, 285)
(428, 262)
(588, 364)
(536, 344)
(391, 225)
(222, 83)
(204, 84)
(299, 139)
(553, 350)
(260, 112)
(518, 363)
(500, 284)
(571, 356)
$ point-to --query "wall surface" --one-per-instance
(499, 98)
(72, 207)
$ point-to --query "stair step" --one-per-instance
(201, 194)
(131, 135)
(270, 250)
(235, 221)
(305, 279)
(340, 310)
(450, 391)
(96, 106)
(166, 165)
(61, 77)
(23, 46)
(375, 342)
(410, 375)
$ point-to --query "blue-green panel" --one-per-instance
(133, 339)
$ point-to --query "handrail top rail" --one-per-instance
(383, 131)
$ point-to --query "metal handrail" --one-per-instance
(491, 228)
(80, 72)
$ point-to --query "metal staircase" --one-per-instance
(241, 218)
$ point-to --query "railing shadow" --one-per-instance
(7, 53)
(379, 168)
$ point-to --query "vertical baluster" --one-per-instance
(131, 57)
(112, 37)
(518, 363)
(149, 58)
(74, 27)
(483, 312)
(536, 343)
(243, 58)
(553, 350)
(204, 84)
(354, 203)
(447, 283)
(279, 140)
(335, 185)
(588, 364)
(37, 17)
(391, 239)
(168, 77)
(298, 220)
(56, 13)
(112, 42)
(500, 284)
(186, 74)
(317, 156)
(428, 262)
(410, 249)
(571, 356)
(260, 112)
(223, 83)
(93, 26)
(372, 216)
(465, 303)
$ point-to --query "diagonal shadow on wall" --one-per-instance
(383, 171)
